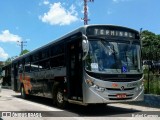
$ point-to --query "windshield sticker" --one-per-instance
(94, 66)
(124, 69)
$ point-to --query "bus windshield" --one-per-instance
(113, 57)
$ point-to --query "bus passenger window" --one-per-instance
(34, 67)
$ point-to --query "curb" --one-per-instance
(150, 100)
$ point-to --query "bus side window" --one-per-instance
(57, 61)
(44, 64)
(27, 68)
(34, 66)
(20, 71)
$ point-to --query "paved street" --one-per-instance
(11, 101)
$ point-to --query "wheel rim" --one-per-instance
(60, 97)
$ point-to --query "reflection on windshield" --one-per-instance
(112, 57)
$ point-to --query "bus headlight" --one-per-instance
(141, 85)
(98, 88)
(139, 88)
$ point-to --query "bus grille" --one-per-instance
(120, 98)
(118, 89)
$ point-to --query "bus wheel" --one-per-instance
(61, 103)
(23, 94)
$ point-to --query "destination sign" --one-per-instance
(109, 32)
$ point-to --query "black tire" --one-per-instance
(60, 102)
(23, 94)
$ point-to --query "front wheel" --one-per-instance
(61, 103)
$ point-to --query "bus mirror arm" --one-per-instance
(85, 46)
(84, 57)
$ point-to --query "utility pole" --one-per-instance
(21, 44)
(85, 19)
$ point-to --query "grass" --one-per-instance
(154, 83)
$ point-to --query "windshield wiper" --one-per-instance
(111, 50)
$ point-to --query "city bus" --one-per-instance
(94, 64)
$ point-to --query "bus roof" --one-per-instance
(81, 29)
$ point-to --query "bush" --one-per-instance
(154, 84)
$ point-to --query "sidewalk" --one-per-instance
(149, 101)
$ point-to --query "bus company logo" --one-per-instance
(114, 85)
(122, 88)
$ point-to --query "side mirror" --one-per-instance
(85, 46)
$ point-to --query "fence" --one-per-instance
(151, 82)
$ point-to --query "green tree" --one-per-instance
(8, 61)
(151, 44)
(24, 52)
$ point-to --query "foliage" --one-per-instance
(154, 84)
(150, 46)
(9, 60)
(24, 52)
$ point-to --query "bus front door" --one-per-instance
(74, 70)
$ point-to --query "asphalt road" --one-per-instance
(38, 108)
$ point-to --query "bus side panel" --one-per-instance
(40, 83)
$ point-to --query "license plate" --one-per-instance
(121, 95)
